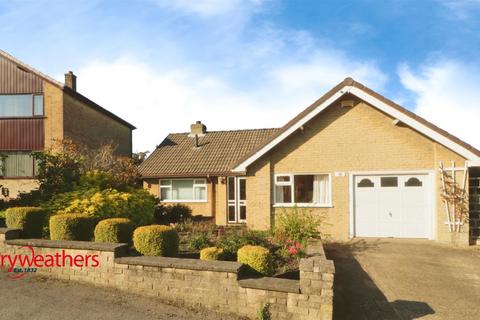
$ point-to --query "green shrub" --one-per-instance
(211, 253)
(156, 240)
(298, 224)
(117, 230)
(193, 226)
(256, 257)
(28, 219)
(235, 239)
(2, 219)
(137, 204)
(198, 241)
(72, 227)
(166, 214)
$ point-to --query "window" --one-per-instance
(183, 190)
(365, 183)
(17, 165)
(413, 182)
(303, 189)
(21, 105)
(389, 182)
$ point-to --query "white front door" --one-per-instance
(237, 200)
(392, 206)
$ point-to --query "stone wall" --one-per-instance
(214, 285)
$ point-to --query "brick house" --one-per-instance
(36, 111)
(366, 164)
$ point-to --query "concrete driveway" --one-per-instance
(405, 279)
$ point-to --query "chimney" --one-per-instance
(71, 80)
(197, 129)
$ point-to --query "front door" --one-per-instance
(237, 200)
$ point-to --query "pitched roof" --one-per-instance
(66, 89)
(217, 152)
(350, 86)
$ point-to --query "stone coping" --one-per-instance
(10, 233)
(79, 245)
(271, 284)
(181, 263)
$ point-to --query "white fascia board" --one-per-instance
(473, 163)
(414, 124)
(243, 166)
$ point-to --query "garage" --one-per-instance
(396, 206)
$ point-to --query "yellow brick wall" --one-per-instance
(87, 126)
(361, 138)
(53, 104)
(221, 202)
(205, 209)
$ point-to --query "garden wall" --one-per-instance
(214, 285)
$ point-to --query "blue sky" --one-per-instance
(162, 64)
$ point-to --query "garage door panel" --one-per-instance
(391, 206)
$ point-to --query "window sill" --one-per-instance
(302, 205)
(184, 201)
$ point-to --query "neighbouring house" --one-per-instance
(369, 166)
(37, 111)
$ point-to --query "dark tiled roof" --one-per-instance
(217, 152)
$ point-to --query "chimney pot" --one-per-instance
(71, 80)
(197, 129)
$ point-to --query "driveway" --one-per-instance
(41, 299)
(405, 279)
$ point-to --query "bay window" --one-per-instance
(183, 190)
(303, 189)
(17, 165)
(21, 105)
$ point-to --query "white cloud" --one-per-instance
(447, 94)
(209, 7)
(163, 100)
(461, 9)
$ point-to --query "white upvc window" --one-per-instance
(183, 190)
(303, 190)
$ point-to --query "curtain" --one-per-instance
(321, 189)
(18, 165)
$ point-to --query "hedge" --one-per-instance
(72, 226)
(256, 257)
(211, 253)
(156, 240)
(118, 230)
(28, 219)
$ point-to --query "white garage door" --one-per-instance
(392, 206)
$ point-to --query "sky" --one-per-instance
(236, 64)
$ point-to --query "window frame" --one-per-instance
(291, 183)
(32, 115)
(170, 187)
(6, 152)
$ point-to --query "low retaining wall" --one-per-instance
(213, 285)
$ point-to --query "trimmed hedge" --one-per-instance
(117, 230)
(211, 253)
(72, 226)
(256, 257)
(156, 240)
(28, 219)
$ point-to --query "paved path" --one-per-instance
(405, 279)
(41, 299)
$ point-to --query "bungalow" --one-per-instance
(371, 167)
